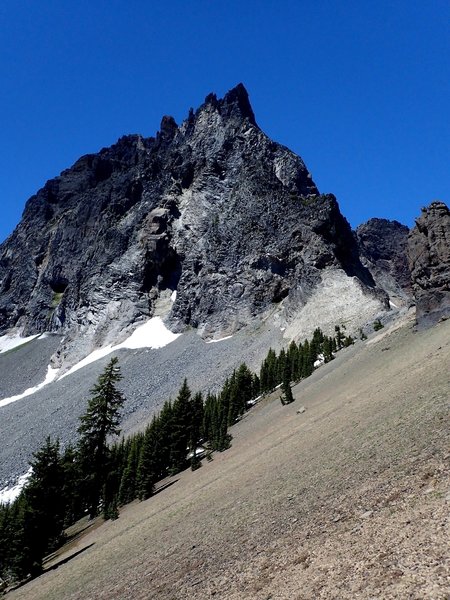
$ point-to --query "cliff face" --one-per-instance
(212, 209)
(429, 261)
(383, 250)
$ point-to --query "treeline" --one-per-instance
(98, 475)
(297, 362)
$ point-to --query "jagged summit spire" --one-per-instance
(235, 103)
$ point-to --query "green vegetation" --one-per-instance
(377, 325)
(57, 297)
(98, 474)
(101, 420)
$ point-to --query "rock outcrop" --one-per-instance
(383, 250)
(429, 261)
(211, 208)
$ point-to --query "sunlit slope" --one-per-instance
(347, 499)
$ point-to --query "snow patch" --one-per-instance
(320, 361)
(10, 494)
(219, 340)
(173, 297)
(199, 452)
(152, 334)
(10, 341)
(51, 376)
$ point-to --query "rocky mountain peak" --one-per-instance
(235, 104)
(168, 129)
(383, 250)
(212, 208)
(429, 261)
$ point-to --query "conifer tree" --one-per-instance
(256, 386)
(163, 436)
(292, 359)
(281, 366)
(127, 489)
(147, 466)
(101, 420)
(308, 360)
(286, 391)
(327, 349)
(339, 337)
(71, 490)
(180, 428)
(43, 509)
(196, 421)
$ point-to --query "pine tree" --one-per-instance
(127, 489)
(164, 425)
(147, 466)
(180, 428)
(43, 509)
(327, 349)
(292, 359)
(101, 420)
(11, 540)
(256, 386)
(339, 337)
(286, 391)
(72, 493)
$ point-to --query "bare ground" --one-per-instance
(349, 499)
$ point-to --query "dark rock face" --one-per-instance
(383, 250)
(429, 261)
(212, 208)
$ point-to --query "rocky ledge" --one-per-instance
(429, 261)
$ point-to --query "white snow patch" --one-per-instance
(320, 361)
(152, 334)
(200, 451)
(10, 494)
(10, 341)
(173, 296)
(90, 358)
(219, 340)
(51, 376)
(392, 305)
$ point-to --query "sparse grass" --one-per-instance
(57, 297)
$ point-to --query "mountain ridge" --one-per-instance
(212, 208)
(210, 226)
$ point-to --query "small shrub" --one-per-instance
(377, 325)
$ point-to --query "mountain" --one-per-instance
(212, 209)
(209, 230)
(429, 261)
(347, 499)
(383, 248)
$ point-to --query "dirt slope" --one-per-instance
(349, 499)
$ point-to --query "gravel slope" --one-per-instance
(349, 499)
(150, 378)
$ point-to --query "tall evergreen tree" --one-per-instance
(286, 391)
(101, 420)
(180, 428)
(43, 509)
(147, 466)
(128, 483)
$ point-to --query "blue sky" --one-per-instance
(361, 90)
